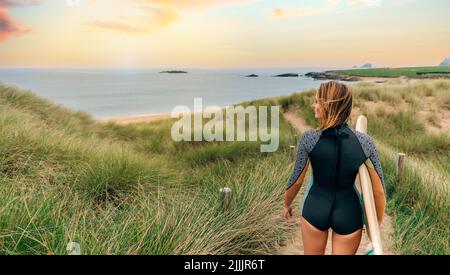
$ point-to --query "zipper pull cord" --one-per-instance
(340, 135)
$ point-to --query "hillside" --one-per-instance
(129, 189)
(412, 72)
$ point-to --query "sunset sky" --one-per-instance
(223, 33)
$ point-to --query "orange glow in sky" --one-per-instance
(223, 33)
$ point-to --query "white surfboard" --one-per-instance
(365, 187)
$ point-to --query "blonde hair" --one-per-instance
(336, 102)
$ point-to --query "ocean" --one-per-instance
(107, 93)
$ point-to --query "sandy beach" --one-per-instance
(124, 120)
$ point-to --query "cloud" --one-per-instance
(153, 14)
(294, 12)
(352, 3)
(115, 25)
(332, 6)
(367, 3)
(16, 3)
(8, 26)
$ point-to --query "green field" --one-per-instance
(413, 72)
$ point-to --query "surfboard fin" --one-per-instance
(369, 249)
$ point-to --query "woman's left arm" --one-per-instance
(373, 165)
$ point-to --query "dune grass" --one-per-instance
(396, 119)
(130, 189)
(419, 201)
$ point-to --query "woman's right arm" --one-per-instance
(300, 168)
(293, 190)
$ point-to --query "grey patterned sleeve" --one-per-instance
(375, 159)
(370, 150)
(304, 147)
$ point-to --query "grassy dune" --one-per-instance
(399, 120)
(130, 189)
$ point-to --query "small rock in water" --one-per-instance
(287, 75)
(173, 72)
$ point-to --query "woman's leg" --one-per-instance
(314, 240)
(346, 244)
(346, 219)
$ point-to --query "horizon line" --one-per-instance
(225, 67)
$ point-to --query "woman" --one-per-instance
(335, 152)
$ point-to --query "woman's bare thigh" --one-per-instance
(346, 244)
(314, 240)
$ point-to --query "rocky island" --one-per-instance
(287, 75)
(445, 63)
(331, 75)
(173, 72)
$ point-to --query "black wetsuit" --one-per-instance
(335, 154)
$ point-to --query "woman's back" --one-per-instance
(335, 152)
(335, 155)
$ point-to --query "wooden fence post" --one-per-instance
(73, 248)
(292, 152)
(400, 167)
(225, 197)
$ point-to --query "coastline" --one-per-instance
(145, 118)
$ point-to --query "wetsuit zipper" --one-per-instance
(336, 167)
